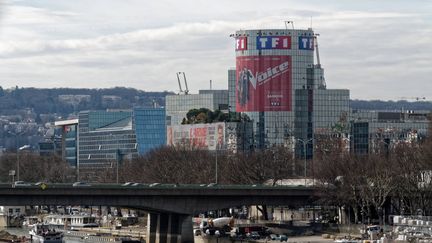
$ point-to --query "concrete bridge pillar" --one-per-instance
(169, 228)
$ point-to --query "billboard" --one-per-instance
(264, 83)
(273, 42)
(241, 43)
(204, 136)
(306, 43)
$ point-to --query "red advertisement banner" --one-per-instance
(206, 136)
(264, 83)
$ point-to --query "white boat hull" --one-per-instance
(42, 234)
(41, 239)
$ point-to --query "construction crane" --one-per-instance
(186, 91)
(412, 98)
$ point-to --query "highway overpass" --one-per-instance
(170, 206)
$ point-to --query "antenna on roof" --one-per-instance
(289, 22)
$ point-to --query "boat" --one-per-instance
(30, 221)
(73, 221)
(43, 233)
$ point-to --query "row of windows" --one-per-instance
(112, 147)
(281, 52)
(150, 127)
(147, 136)
(91, 136)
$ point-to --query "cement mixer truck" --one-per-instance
(219, 226)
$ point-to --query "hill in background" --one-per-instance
(401, 105)
(65, 101)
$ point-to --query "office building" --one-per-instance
(177, 106)
(105, 139)
(50, 147)
(375, 131)
(69, 138)
(150, 128)
(282, 90)
(100, 140)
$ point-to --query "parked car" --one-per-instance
(80, 183)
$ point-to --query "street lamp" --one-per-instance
(18, 162)
(216, 166)
(16, 134)
(305, 142)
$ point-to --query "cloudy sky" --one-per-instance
(377, 49)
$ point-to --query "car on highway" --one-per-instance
(254, 235)
(272, 237)
(283, 238)
(20, 184)
(80, 184)
(278, 237)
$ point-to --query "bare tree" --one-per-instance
(380, 181)
(35, 168)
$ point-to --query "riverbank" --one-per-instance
(5, 236)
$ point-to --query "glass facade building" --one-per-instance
(150, 128)
(360, 137)
(376, 130)
(105, 138)
(290, 101)
(232, 89)
(274, 127)
(50, 147)
(69, 138)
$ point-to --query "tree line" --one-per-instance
(46, 101)
(395, 179)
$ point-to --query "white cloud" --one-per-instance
(373, 53)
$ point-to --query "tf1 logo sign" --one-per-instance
(273, 42)
(241, 43)
(306, 43)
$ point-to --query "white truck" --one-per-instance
(218, 226)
